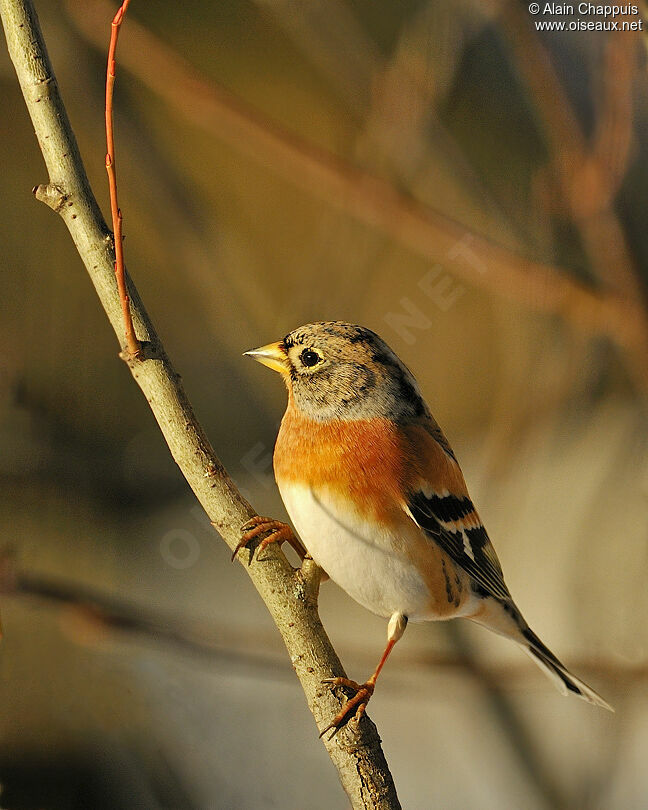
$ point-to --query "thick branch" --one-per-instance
(359, 759)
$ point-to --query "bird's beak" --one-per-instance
(273, 356)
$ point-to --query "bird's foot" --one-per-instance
(279, 533)
(354, 708)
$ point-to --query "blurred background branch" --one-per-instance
(427, 232)
(90, 617)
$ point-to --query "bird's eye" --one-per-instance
(309, 358)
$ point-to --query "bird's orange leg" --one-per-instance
(279, 533)
(356, 706)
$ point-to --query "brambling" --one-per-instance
(379, 500)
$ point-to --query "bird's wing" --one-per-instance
(439, 504)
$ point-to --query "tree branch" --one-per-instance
(290, 600)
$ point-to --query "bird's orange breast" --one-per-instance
(362, 460)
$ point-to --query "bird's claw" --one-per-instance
(354, 708)
(279, 533)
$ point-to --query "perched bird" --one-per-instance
(379, 500)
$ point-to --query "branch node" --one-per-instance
(309, 577)
(52, 195)
(146, 351)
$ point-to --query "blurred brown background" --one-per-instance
(518, 298)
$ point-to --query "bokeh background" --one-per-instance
(471, 188)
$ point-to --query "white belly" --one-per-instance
(359, 557)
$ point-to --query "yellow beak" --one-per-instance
(273, 356)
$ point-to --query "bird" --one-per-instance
(379, 501)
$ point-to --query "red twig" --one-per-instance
(132, 343)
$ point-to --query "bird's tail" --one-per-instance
(504, 618)
(563, 679)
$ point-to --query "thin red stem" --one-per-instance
(132, 343)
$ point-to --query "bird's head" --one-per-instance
(336, 370)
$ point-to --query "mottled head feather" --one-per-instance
(339, 370)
